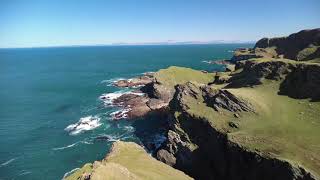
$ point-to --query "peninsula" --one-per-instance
(257, 120)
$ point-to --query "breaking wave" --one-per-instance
(69, 173)
(108, 98)
(72, 145)
(7, 162)
(120, 114)
(84, 124)
(109, 82)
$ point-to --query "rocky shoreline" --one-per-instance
(214, 119)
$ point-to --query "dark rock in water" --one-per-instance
(125, 99)
(139, 81)
(103, 138)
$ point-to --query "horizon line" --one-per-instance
(138, 44)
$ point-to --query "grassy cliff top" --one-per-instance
(178, 75)
(281, 126)
(127, 160)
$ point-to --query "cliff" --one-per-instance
(258, 120)
(127, 160)
(258, 124)
(300, 46)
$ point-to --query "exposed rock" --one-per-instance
(155, 104)
(233, 124)
(224, 99)
(166, 157)
(290, 46)
(302, 82)
(221, 78)
(135, 82)
(230, 67)
(206, 153)
(220, 62)
(244, 54)
(301, 46)
(256, 70)
(134, 106)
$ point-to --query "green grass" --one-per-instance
(316, 60)
(179, 75)
(283, 127)
(306, 52)
(128, 160)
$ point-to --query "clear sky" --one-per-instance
(31, 23)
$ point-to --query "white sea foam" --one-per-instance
(70, 172)
(8, 162)
(148, 72)
(110, 138)
(24, 172)
(108, 98)
(120, 114)
(208, 62)
(129, 128)
(115, 137)
(84, 124)
(65, 147)
(110, 82)
(73, 145)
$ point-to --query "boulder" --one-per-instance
(166, 157)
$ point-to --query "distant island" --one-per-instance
(259, 119)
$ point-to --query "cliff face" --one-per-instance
(300, 46)
(259, 120)
(243, 128)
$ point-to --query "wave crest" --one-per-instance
(84, 124)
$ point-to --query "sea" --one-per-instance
(52, 119)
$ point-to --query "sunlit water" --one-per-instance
(50, 111)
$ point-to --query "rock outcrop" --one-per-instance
(203, 117)
(258, 120)
(158, 91)
(135, 82)
(300, 46)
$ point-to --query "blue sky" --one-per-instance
(33, 23)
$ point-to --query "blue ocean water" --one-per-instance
(44, 90)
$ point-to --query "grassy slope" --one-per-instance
(282, 127)
(179, 75)
(130, 161)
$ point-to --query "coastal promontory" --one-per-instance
(257, 120)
